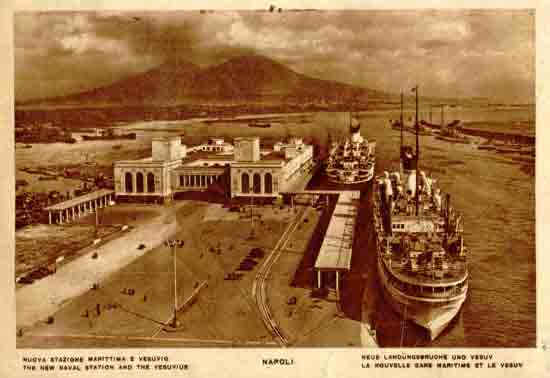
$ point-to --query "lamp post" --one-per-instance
(174, 244)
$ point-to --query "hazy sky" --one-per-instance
(448, 53)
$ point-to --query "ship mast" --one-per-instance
(401, 123)
(417, 148)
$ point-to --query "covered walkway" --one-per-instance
(336, 249)
(76, 207)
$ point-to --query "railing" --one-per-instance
(425, 291)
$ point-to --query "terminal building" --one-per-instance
(239, 170)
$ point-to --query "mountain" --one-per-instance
(167, 81)
(244, 78)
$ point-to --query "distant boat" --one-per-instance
(450, 133)
(109, 135)
(396, 125)
(258, 124)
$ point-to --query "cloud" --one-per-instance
(449, 52)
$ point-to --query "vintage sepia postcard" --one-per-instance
(351, 189)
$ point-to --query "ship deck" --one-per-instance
(457, 272)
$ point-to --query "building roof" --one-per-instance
(274, 155)
(336, 250)
(207, 162)
(80, 199)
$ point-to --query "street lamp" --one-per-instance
(174, 244)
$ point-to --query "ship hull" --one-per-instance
(432, 315)
(411, 130)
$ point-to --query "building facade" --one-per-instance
(255, 175)
(248, 171)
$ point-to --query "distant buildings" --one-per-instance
(242, 170)
(42, 133)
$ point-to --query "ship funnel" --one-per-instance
(354, 125)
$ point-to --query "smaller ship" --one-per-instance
(450, 133)
(409, 126)
(396, 125)
(351, 161)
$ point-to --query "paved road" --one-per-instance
(44, 297)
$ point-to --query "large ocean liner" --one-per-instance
(422, 260)
(351, 160)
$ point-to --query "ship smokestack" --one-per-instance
(354, 126)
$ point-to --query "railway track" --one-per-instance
(259, 290)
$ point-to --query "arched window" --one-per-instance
(150, 182)
(245, 184)
(257, 183)
(139, 182)
(128, 184)
(268, 183)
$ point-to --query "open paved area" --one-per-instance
(223, 313)
(133, 302)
